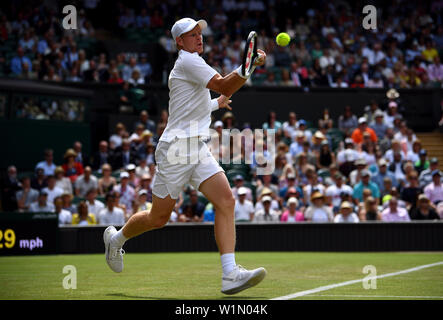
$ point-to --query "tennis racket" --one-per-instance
(249, 54)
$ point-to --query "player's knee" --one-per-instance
(226, 201)
(160, 221)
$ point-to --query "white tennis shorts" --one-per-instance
(182, 161)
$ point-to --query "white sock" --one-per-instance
(227, 262)
(118, 239)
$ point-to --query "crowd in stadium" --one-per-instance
(375, 170)
(329, 48)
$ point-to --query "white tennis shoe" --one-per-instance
(240, 279)
(114, 255)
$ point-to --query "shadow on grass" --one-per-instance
(123, 295)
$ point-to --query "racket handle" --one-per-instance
(239, 72)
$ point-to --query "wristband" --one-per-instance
(238, 70)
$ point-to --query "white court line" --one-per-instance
(347, 283)
(368, 296)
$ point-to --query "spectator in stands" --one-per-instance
(291, 214)
(72, 168)
(42, 204)
(347, 122)
(244, 209)
(102, 156)
(423, 210)
(142, 167)
(107, 182)
(124, 156)
(62, 182)
(318, 211)
(434, 190)
(346, 214)
(425, 177)
(239, 183)
(383, 173)
(81, 156)
(365, 183)
(193, 208)
(396, 167)
(411, 191)
(115, 141)
(435, 72)
(52, 190)
(325, 157)
(94, 205)
(47, 165)
(369, 212)
(18, 61)
(266, 214)
(111, 214)
(134, 180)
(334, 191)
(64, 216)
(146, 184)
(145, 121)
(85, 182)
(357, 134)
(422, 163)
(145, 68)
(391, 113)
(82, 217)
(26, 195)
(414, 153)
(126, 192)
(136, 138)
(379, 125)
(10, 185)
(266, 183)
(142, 203)
(67, 202)
(394, 213)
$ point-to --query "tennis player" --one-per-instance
(190, 107)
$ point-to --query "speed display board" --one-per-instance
(28, 233)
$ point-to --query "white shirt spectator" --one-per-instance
(114, 217)
(243, 210)
(434, 192)
(96, 207)
(261, 216)
(350, 218)
(54, 193)
(334, 192)
(48, 169)
(34, 207)
(83, 186)
(64, 217)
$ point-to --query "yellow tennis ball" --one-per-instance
(283, 39)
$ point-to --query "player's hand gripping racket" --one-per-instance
(249, 55)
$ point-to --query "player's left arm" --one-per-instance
(232, 82)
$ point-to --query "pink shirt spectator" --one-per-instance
(434, 192)
(400, 215)
(286, 217)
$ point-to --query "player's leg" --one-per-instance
(235, 278)
(139, 223)
(218, 192)
(156, 218)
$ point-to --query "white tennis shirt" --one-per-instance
(190, 103)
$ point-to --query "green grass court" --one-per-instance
(196, 276)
